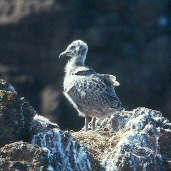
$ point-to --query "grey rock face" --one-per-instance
(144, 132)
(40, 123)
(64, 151)
(92, 94)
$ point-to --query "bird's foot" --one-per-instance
(93, 121)
(89, 125)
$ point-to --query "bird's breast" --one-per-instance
(68, 83)
(72, 81)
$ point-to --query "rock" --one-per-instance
(130, 140)
(139, 148)
(140, 142)
(15, 115)
(64, 151)
(19, 122)
(164, 143)
(40, 124)
(4, 85)
(21, 156)
(12, 12)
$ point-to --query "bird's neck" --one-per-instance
(73, 63)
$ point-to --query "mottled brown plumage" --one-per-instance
(92, 94)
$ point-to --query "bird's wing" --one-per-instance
(95, 91)
(109, 80)
(110, 83)
(83, 71)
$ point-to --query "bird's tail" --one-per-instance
(120, 107)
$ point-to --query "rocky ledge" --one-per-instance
(131, 140)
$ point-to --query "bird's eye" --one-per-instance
(72, 47)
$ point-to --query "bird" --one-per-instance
(92, 94)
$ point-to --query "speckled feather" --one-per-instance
(93, 93)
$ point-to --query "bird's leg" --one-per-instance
(86, 122)
(93, 121)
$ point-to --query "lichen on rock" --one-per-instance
(23, 156)
(128, 140)
(135, 146)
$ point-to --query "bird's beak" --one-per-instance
(64, 54)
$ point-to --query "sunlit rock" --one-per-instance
(65, 152)
(138, 144)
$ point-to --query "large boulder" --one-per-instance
(65, 152)
(141, 142)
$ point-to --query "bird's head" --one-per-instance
(77, 49)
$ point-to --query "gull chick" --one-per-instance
(91, 94)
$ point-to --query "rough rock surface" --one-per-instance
(12, 12)
(20, 156)
(19, 122)
(16, 115)
(138, 144)
(132, 140)
(64, 151)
